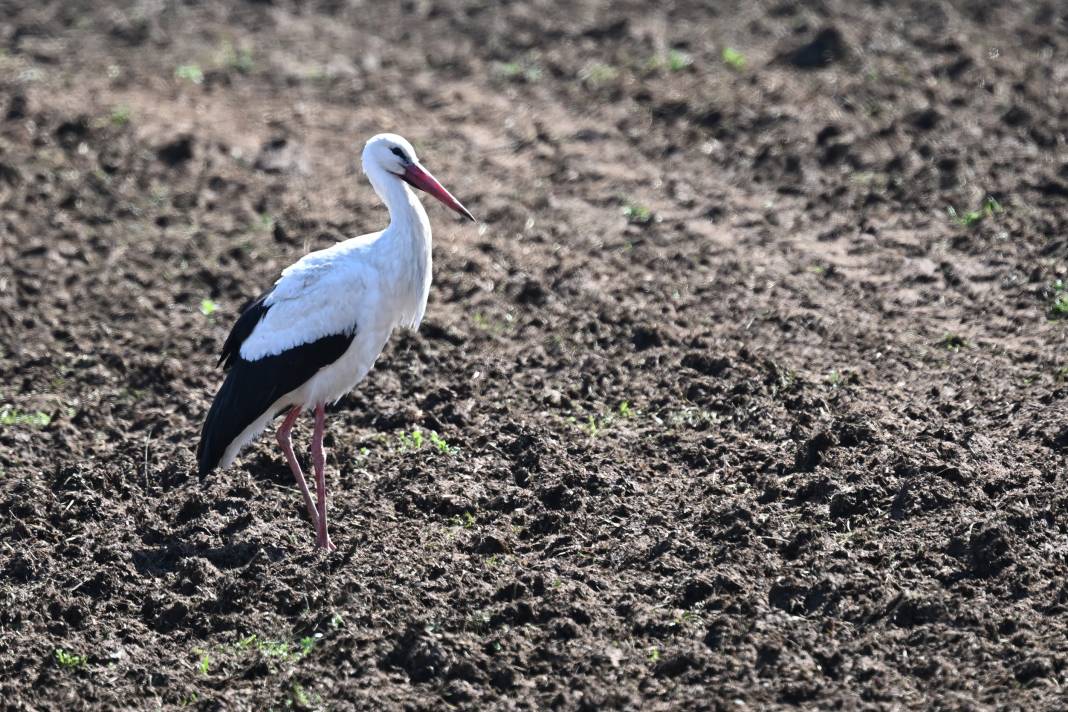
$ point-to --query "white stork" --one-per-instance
(316, 334)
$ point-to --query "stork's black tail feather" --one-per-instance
(253, 387)
(236, 406)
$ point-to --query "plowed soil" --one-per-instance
(747, 391)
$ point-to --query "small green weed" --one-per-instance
(528, 72)
(69, 660)
(412, 441)
(687, 618)
(637, 214)
(677, 60)
(208, 307)
(596, 425)
(11, 416)
(237, 59)
(493, 325)
(954, 342)
(416, 439)
(301, 696)
(204, 664)
(1059, 307)
(689, 416)
(467, 520)
(190, 72)
(593, 426)
(654, 654)
(989, 209)
(120, 115)
(598, 74)
(277, 649)
(441, 444)
(734, 59)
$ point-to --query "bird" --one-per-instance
(316, 333)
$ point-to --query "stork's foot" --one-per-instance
(323, 542)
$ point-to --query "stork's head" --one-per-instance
(393, 154)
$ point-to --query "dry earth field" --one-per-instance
(747, 392)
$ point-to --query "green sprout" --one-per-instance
(989, 209)
(1059, 308)
(204, 665)
(277, 648)
(467, 521)
(120, 115)
(493, 325)
(239, 60)
(677, 60)
(1060, 305)
(637, 214)
(954, 342)
(441, 444)
(69, 660)
(674, 61)
(593, 426)
(190, 72)
(300, 696)
(417, 438)
(733, 59)
(519, 71)
(413, 441)
(208, 307)
(11, 416)
(654, 654)
(598, 74)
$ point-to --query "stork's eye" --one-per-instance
(399, 153)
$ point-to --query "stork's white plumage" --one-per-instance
(318, 331)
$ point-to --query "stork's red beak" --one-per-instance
(420, 178)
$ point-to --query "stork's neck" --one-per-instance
(407, 218)
(404, 245)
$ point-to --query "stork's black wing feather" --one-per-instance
(251, 315)
(251, 387)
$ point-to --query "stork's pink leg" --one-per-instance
(287, 447)
(319, 459)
